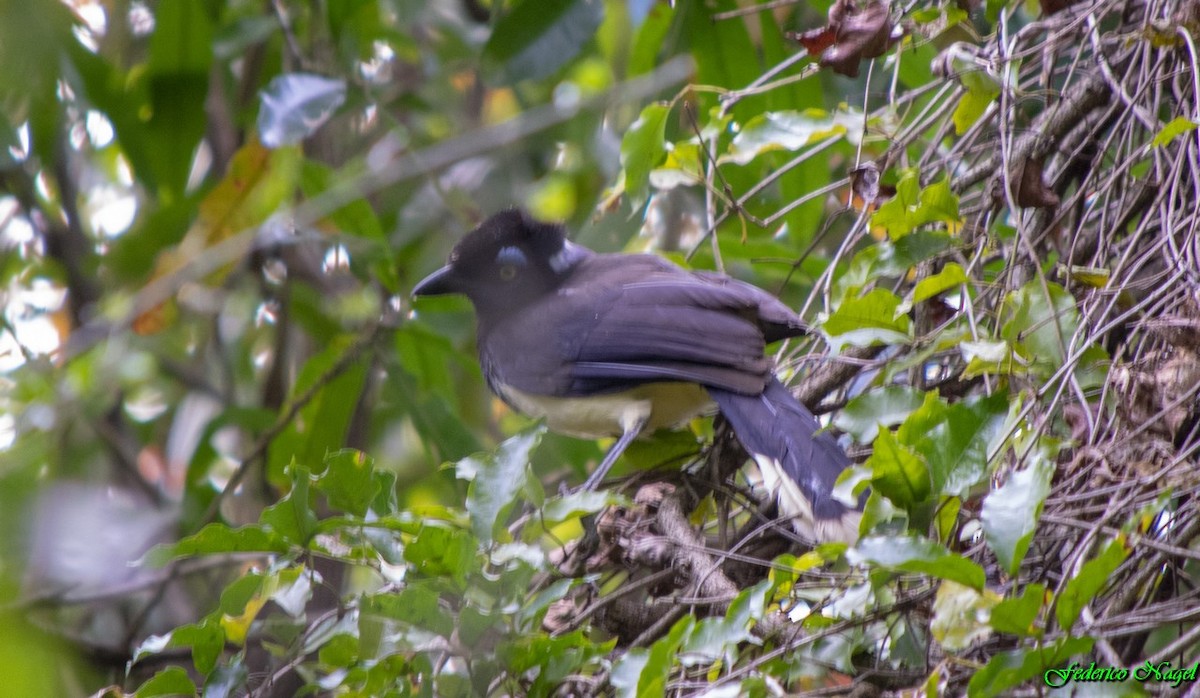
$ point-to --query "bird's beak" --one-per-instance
(438, 283)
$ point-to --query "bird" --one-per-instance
(618, 345)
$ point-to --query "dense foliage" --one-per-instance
(237, 459)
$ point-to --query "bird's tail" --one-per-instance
(799, 464)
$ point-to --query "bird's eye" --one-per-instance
(508, 272)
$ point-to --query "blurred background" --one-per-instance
(235, 455)
(211, 213)
(237, 458)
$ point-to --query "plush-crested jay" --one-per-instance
(620, 344)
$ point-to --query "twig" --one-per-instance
(352, 354)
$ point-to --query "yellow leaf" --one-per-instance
(258, 182)
(236, 627)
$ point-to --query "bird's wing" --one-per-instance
(625, 320)
(669, 326)
(775, 319)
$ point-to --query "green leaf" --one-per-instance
(234, 39)
(644, 673)
(959, 615)
(182, 40)
(292, 517)
(653, 681)
(32, 38)
(954, 439)
(681, 168)
(888, 406)
(945, 517)
(496, 479)
(356, 217)
(643, 149)
(123, 102)
(715, 638)
(172, 681)
(972, 105)
(291, 589)
(578, 504)
(177, 71)
(650, 40)
(239, 593)
(240, 604)
(917, 247)
(227, 680)
(416, 604)
(1093, 369)
(206, 640)
(1010, 513)
(1174, 128)
(776, 48)
(256, 182)
(916, 57)
(1093, 576)
(1039, 323)
(340, 651)
(359, 219)
(538, 37)
(627, 671)
(555, 658)
(385, 503)
(322, 422)
(919, 555)
(950, 277)
(939, 203)
(892, 258)
(796, 180)
(986, 356)
(975, 78)
(790, 131)
(199, 490)
(913, 207)
(10, 143)
(1017, 615)
(898, 473)
(349, 481)
(442, 552)
(1008, 670)
(534, 609)
(218, 538)
(725, 54)
(868, 319)
(442, 431)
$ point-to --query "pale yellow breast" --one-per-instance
(666, 404)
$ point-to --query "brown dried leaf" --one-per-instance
(815, 41)
(1138, 403)
(1188, 15)
(1078, 421)
(1031, 191)
(1176, 382)
(1158, 395)
(1181, 327)
(854, 34)
(560, 617)
(866, 191)
(1178, 331)
(1050, 7)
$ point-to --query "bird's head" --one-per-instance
(508, 261)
